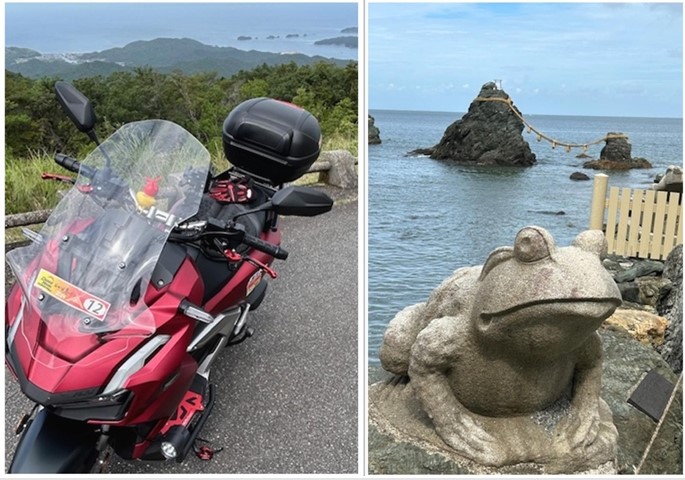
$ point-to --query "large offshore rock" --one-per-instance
(489, 134)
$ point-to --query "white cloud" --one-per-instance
(561, 48)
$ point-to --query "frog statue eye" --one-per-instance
(592, 241)
(533, 244)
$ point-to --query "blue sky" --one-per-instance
(559, 59)
(87, 27)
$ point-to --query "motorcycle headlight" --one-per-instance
(112, 403)
(103, 407)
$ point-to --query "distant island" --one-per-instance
(161, 54)
(242, 38)
(349, 42)
(354, 30)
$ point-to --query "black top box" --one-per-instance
(273, 140)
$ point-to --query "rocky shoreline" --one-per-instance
(652, 302)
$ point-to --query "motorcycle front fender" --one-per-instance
(52, 444)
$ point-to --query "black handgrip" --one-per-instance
(74, 165)
(266, 247)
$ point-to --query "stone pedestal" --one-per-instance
(394, 411)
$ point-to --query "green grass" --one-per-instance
(25, 191)
(340, 142)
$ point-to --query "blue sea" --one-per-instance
(428, 218)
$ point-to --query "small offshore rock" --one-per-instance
(579, 176)
(616, 155)
(374, 132)
(421, 152)
(548, 212)
(616, 148)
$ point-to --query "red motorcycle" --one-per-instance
(147, 268)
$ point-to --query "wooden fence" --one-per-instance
(637, 223)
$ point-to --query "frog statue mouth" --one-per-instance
(588, 308)
(546, 328)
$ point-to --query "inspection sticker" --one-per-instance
(71, 295)
(254, 281)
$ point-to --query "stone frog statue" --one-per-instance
(505, 359)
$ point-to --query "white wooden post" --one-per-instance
(599, 194)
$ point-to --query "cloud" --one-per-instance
(536, 47)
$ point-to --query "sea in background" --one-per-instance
(427, 218)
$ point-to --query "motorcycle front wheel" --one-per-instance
(52, 444)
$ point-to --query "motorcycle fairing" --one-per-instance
(100, 240)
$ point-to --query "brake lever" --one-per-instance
(269, 271)
(57, 177)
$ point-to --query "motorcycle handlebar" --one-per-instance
(266, 247)
(73, 165)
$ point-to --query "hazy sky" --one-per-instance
(565, 59)
(87, 27)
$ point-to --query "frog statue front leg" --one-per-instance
(432, 355)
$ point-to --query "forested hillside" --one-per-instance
(163, 54)
(198, 102)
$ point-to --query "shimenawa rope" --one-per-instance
(541, 136)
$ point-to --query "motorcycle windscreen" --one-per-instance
(86, 275)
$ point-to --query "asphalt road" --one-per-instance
(286, 399)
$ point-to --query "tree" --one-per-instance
(198, 102)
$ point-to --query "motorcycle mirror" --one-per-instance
(78, 108)
(300, 201)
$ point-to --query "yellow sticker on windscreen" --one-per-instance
(71, 295)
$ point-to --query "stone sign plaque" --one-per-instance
(651, 395)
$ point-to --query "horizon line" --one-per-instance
(526, 115)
